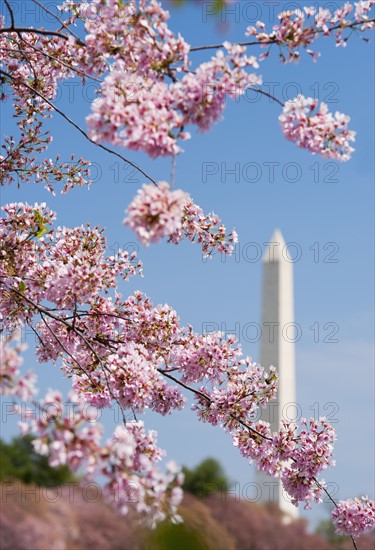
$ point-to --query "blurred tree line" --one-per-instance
(211, 518)
(206, 478)
(18, 460)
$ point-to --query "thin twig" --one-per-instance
(43, 32)
(64, 26)
(263, 92)
(209, 400)
(53, 58)
(326, 492)
(78, 332)
(273, 40)
(216, 46)
(77, 127)
(12, 22)
(173, 172)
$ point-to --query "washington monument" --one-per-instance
(277, 349)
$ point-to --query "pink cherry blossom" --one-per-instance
(354, 517)
(158, 212)
(61, 283)
(11, 380)
(298, 29)
(128, 461)
(316, 129)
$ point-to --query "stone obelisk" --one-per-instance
(277, 349)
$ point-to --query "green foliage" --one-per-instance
(206, 478)
(22, 286)
(215, 5)
(19, 461)
(326, 530)
(168, 536)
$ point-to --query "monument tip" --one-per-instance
(274, 250)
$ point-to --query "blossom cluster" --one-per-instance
(137, 113)
(247, 388)
(316, 129)
(66, 266)
(295, 454)
(301, 27)
(205, 229)
(35, 66)
(138, 356)
(12, 383)
(141, 112)
(130, 377)
(354, 517)
(122, 31)
(60, 282)
(158, 212)
(69, 435)
(205, 356)
(201, 94)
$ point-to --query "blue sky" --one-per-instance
(325, 208)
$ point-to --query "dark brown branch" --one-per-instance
(335, 505)
(63, 25)
(263, 92)
(43, 32)
(216, 46)
(12, 22)
(209, 400)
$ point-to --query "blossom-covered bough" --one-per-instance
(59, 281)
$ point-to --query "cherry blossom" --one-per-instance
(354, 517)
(158, 212)
(11, 380)
(298, 29)
(68, 433)
(141, 112)
(316, 129)
(201, 94)
(61, 283)
(295, 454)
(205, 229)
(137, 113)
(137, 356)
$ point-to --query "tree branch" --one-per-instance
(209, 400)
(53, 58)
(77, 127)
(43, 32)
(12, 22)
(274, 41)
(62, 23)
